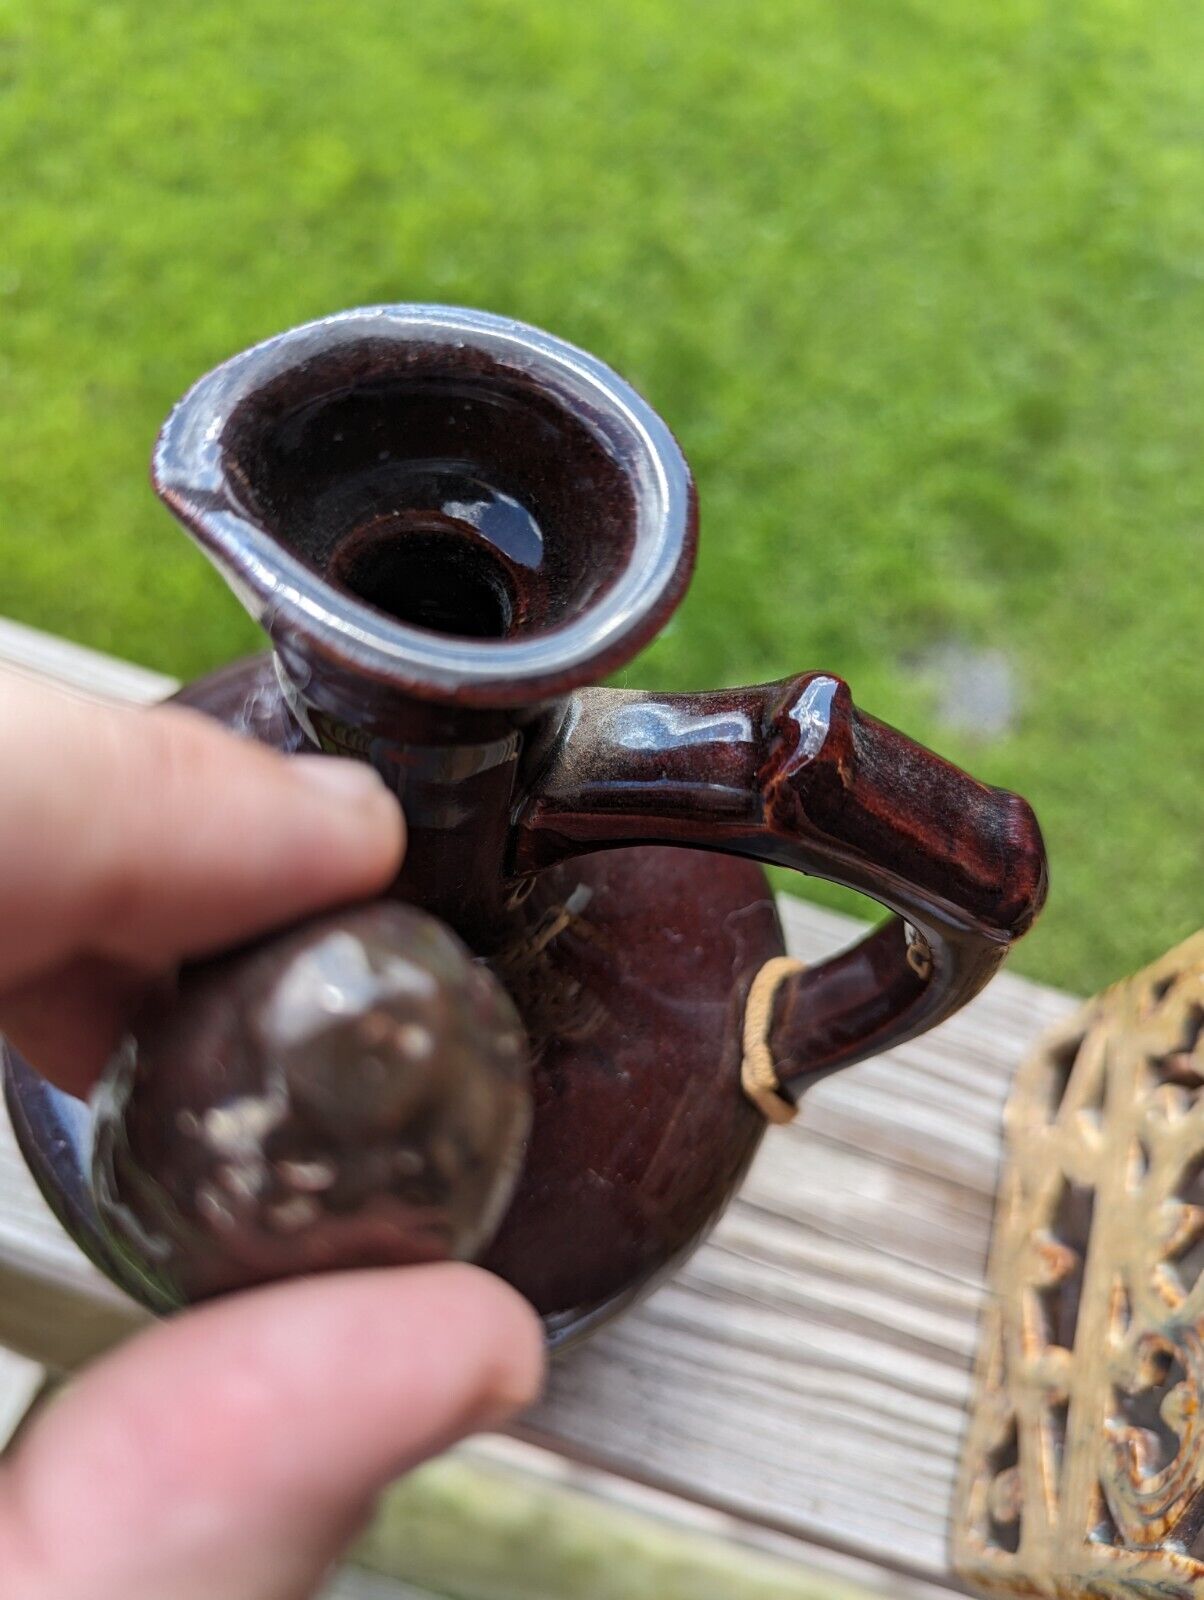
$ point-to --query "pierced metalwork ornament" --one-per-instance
(1083, 1472)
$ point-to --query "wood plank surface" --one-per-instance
(353, 1583)
(808, 1370)
(21, 1381)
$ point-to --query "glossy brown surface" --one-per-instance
(494, 508)
(629, 970)
(450, 525)
(350, 1094)
(641, 1132)
(793, 774)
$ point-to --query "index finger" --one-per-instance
(131, 839)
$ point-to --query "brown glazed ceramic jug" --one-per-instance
(452, 527)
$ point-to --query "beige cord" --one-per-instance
(758, 1075)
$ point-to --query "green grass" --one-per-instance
(460, 1528)
(919, 285)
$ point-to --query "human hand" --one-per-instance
(234, 1450)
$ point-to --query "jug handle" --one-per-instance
(793, 774)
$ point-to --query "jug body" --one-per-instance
(453, 528)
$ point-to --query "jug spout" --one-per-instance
(445, 521)
(454, 506)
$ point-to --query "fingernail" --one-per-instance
(497, 1410)
(517, 1388)
(340, 778)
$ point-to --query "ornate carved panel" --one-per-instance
(1083, 1472)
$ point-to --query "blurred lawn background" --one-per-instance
(920, 287)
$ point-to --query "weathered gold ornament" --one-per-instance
(1083, 1472)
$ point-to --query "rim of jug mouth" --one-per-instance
(299, 607)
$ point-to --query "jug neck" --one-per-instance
(460, 774)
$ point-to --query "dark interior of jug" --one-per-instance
(440, 486)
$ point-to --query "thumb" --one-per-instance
(234, 1451)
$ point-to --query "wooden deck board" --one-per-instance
(807, 1371)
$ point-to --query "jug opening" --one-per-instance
(507, 512)
(428, 570)
(454, 505)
